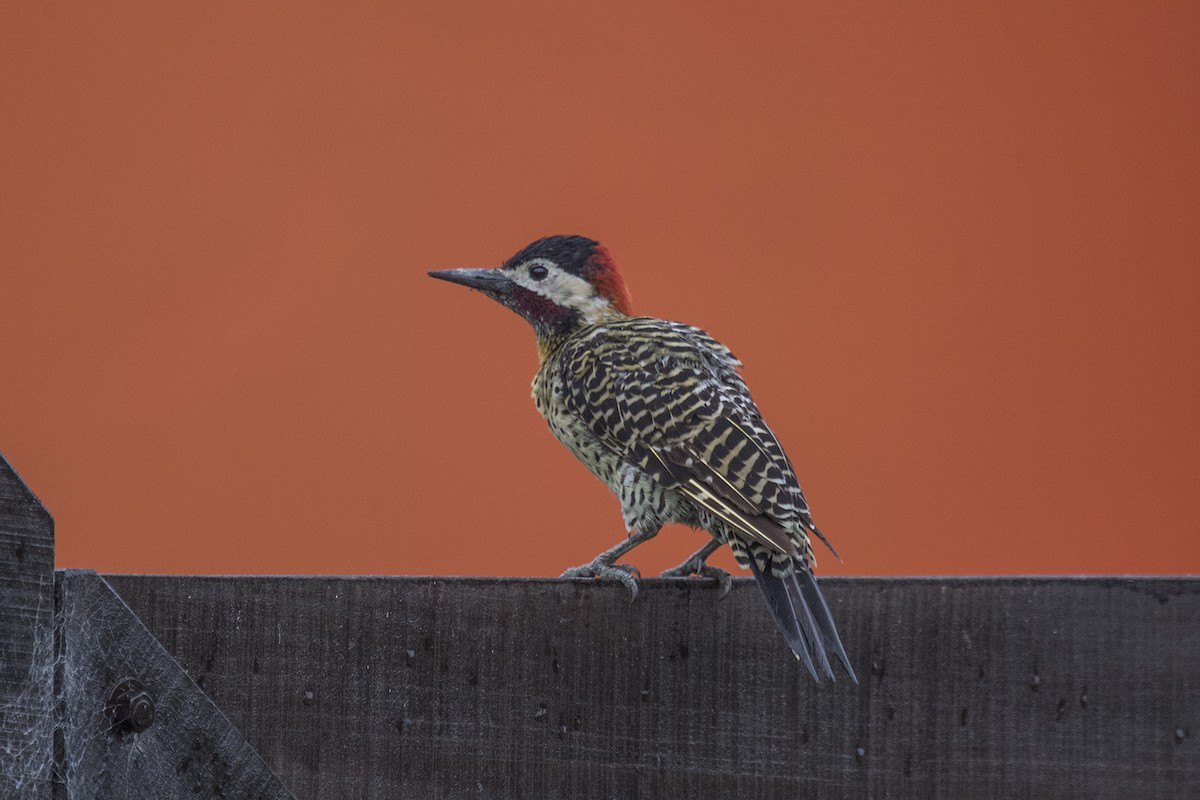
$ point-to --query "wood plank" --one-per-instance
(26, 640)
(430, 687)
(187, 748)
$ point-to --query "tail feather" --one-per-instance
(800, 611)
(782, 608)
(809, 623)
(815, 601)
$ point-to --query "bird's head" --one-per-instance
(558, 284)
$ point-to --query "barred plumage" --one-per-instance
(657, 410)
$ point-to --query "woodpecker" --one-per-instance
(658, 411)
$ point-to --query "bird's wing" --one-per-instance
(670, 402)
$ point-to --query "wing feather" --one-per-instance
(676, 406)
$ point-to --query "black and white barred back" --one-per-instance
(657, 410)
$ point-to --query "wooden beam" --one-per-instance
(26, 640)
(429, 687)
(133, 723)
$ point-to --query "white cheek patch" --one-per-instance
(561, 287)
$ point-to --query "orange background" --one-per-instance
(957, 248)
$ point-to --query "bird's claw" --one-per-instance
(622, 573)
(704, 570)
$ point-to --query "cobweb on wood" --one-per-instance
(28, 758)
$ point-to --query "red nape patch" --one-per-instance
(607, 279)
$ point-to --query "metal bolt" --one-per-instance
(130, 706)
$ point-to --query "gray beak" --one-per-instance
(490, 280)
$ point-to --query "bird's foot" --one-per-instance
(625, 574)
(704, 570)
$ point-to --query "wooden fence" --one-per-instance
(269, 687)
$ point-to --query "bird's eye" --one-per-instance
(538, 272)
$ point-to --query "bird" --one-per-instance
(658, 411)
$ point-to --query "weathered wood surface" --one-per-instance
(189, 749)
(449, 688)
(26, 640)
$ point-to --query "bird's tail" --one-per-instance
(802, 614)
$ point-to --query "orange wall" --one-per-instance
(957, 247)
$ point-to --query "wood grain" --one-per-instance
(189, 750)
(26, 640)
(430, 687)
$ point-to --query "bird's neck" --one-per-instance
(551, 338)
